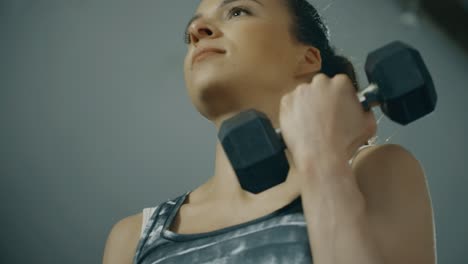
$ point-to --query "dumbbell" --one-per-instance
(399, 82)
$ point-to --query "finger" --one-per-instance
(320, 78)
(284, 99)
(371, 124)
(344, 83)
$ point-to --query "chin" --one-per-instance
(207, 81)
(212, 99)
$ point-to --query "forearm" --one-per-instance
(334, 209)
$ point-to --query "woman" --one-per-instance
(274, 56)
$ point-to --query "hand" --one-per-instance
(324, 118)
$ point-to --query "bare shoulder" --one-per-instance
(385, 152)
(384, 172)
(398, 203)
(382, 151)
(122, 240)
(382, 169)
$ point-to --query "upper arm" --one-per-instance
(398, 203)
(122, 240)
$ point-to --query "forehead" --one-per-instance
(212, 5)
(275, 10)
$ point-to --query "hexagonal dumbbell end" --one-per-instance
(405, 88)
(255, 150)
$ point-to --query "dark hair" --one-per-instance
(308, 28)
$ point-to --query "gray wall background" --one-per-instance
(96, 123)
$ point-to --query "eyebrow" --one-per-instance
(225, 2)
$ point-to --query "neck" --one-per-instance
(224, 187)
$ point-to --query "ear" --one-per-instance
(310, 61)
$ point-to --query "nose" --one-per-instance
(201, 29)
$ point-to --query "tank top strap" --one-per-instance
(153, 227)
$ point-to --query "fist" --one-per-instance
(324, 117)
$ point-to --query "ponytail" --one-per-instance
(336, 64)
(308, 28)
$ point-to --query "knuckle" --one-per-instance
(285, 99)
(301, 88)
(344, 83)
(320, 77)
(342, 79)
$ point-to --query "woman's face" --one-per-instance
(256, 60)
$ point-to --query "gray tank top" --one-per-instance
(279, 237)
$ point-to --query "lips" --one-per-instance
(202, 52)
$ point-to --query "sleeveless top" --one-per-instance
(278, 237)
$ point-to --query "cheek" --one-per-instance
(187, 80)
(266, 45)
(186, 70)
(186, 60)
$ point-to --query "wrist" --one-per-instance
(317, 164)
(330, 176)
(339, 196)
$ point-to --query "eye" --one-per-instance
(233, 12)
(237, 11)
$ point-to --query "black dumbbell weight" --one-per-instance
(399, 82)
